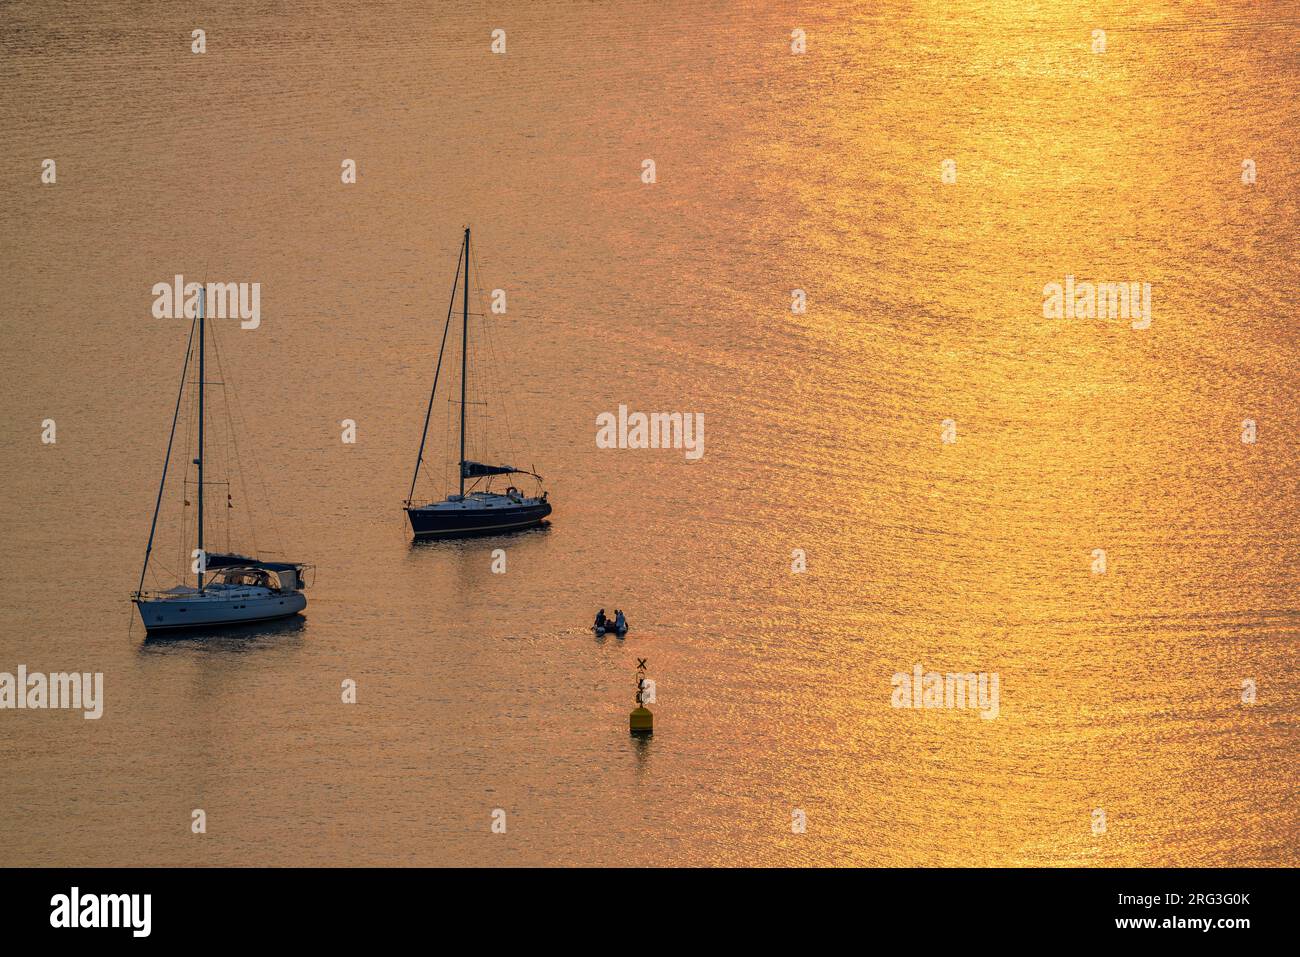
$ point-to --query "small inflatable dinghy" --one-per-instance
(610, 627)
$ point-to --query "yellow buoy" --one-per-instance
(641, 721)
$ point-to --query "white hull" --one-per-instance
(202, 611)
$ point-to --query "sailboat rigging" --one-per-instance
(478, 510)
(229, 588)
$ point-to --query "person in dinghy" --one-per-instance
(617, 624)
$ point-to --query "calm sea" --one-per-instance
(1122, 736)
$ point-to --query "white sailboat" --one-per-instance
(229, 588)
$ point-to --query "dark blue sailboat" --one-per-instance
(475, 509)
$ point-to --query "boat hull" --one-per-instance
(439, 522)
(173, 614)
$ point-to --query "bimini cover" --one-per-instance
(475, 469)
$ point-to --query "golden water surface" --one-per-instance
(1120, 692)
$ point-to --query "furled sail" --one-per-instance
(218, 560)
(476, 469)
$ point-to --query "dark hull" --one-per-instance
(461, 523)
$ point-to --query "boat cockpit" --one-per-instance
(244, 577)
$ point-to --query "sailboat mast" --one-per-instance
(464, 355)
(203, 558)
(437, 371)
(157, 505)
